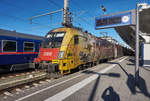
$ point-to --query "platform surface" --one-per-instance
(112, 81)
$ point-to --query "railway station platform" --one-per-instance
(111, 81)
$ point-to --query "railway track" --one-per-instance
(21, 88)
(16, 82)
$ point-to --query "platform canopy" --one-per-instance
(126, 28)
(127, 33)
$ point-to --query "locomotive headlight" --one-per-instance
(61, 54)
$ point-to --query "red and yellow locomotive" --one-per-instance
(65, 49)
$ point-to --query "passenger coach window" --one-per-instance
(9, 46)
(28, 47)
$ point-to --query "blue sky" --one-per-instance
(15, 14)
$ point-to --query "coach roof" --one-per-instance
(20, 35)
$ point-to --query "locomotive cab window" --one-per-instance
(76, 39)
(53, 39)
(28, 47)
(9, 46)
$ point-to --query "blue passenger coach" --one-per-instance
(18, 50)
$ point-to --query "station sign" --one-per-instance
(115, 20)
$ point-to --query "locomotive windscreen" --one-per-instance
(53, 39)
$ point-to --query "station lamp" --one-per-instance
(103, 8)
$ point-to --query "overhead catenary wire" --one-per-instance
(76, 17)
(21, 19)
(79, 7)
(85, 21)
(24, 20)
(57, 5)
(40, 25)
(17, 6)
(43, 26)
(54, 3)
(11, 27)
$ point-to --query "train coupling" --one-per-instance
(52, 68)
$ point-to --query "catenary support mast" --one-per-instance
(67, 20)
